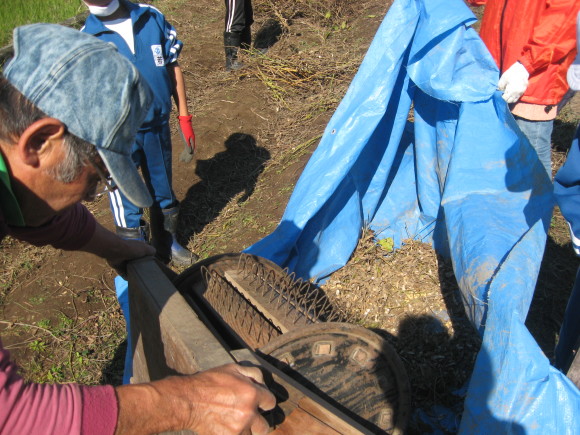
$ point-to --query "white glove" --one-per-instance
(513, 82)
(573, 75)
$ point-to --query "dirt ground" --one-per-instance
(255, 131)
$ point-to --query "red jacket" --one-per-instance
(541, 34)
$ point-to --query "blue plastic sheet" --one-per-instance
(122, 292)
(460, 176)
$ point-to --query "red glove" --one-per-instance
(187, 131)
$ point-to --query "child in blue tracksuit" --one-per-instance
(142, 34)
(567, 194)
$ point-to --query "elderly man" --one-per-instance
(70, 106)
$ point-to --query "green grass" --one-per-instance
(15, 13)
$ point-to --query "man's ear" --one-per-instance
(38, 138)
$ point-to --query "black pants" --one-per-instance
(239, 15)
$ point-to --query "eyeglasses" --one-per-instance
(103, 175)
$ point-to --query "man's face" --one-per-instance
(55, 195)
(59, 195)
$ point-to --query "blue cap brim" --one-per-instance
(126, 177)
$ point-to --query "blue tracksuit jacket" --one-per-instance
(156, 45)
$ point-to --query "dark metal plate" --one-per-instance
(350, 366)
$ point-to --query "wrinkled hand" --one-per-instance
(187, 131)
(228, 400)
(131, 250)
(514, 82)
(223, 400)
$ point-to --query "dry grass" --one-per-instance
(411, 297)
(328, 13)
(296, 75)
(65, 328)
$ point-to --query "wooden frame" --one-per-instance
(169, 338)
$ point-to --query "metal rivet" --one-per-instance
(322, 348)
(360, 356)
(386, 418)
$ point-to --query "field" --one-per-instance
(19, 12)
(256, 130)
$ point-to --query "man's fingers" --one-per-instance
(266, 400)
(260, 426)
(501, 84)
(511, 95)
(251, 372)
(508, 98)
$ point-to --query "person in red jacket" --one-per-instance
(533, 43)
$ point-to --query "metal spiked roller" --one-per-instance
(252, 302)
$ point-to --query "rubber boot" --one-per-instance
(161, 240)
(138, 233)
(163, 232)
(232, 43)
(246, 38)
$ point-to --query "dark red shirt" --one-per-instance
(54, 409)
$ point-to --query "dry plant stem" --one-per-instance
(26, 325)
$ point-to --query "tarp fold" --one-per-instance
(423, 146)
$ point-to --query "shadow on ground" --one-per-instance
(228, 174)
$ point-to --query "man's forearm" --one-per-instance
(114, 249)
(143, 410)
(226, 399)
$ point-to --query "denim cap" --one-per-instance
(91, 88)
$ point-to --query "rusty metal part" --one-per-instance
(251, 302)
(349, 366)
(253, 299)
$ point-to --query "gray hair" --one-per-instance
(17, 113)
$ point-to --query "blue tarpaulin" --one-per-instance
(460, 176)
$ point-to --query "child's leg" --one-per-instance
(125, 213)
(237, 33)
(246, 33)
(127, 216)
(157, 172)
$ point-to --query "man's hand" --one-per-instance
(514, 82)
(115, 250)
(224, 400)
(131, 250)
